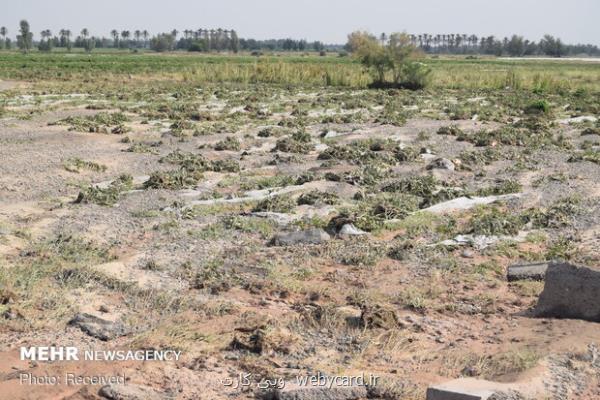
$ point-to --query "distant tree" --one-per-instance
(174, 33)
(67, 35)
(89, 44)
(45, 44)
(145, 35)
(115, 35)
(383, 38)
(551, 46)
(515, 46)
(3, 33)
(25, 39)
(162, 42)
(138, 36)
(318, 46)
(234, 42)
(85, 33)
(125, 35)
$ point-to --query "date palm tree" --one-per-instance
(145, 35)
(126, 35)
(85, 33)
(383, 38)
(115, 34)
(3, 33)
(68, 35)
(46, 33)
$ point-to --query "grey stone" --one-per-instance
(533, 272)
(441, 393)
(477, 389)
(317, 393)
(130, 392)
(441, 163)
(351, 230)
(466, 253)
(334, 134)
(479, 242)
(281, 219)
(98, 327)
(465, 203)
(311, 236)
(570, 292)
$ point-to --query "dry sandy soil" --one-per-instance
(187, 261)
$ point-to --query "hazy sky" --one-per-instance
(326, 20)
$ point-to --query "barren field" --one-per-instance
(284, 231)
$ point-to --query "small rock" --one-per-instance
(466, 253)
(130, 392)
(351, 230)
(311, 236)
(98, 327)
(472, 389)
(465, 203)
(441, 163)
(333, 134)
(428, 157)
(479, 242)
(281, 219)
(535, 272)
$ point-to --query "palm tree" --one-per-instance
(115, 34)
(212, 39)
(125, 35)
(145, 35)
(138, 35)
(383, 38)
(46, 34)
(474, 41)
(428, 39)
(68, 38)
(85, 33)
(174, 33)
(3, 32)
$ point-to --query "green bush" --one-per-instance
(538, 107)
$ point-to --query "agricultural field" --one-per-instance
(273, 216)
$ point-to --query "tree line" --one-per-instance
(220, 40)
(515, 46)
(200, 40)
